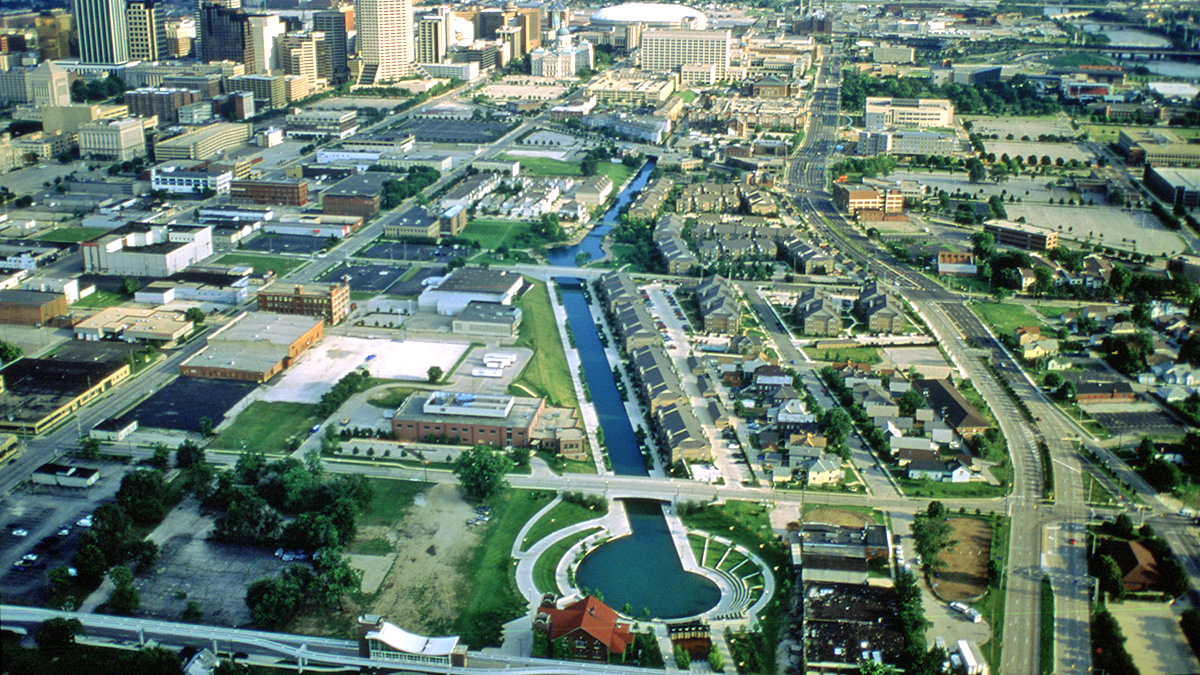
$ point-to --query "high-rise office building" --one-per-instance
(147, 24)
(181, 35)
(204, 7)
(434, 35)
(666, 50)
(223, 33)
(264, 31)
(333, 24)
(385, 39)
(103, 37)
(299, 54)
(56, 36)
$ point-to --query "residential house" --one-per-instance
(954, 408)
(718, 302)
(927, 470)
(1139, 569)
(879, 309)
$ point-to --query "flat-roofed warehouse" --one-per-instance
(36, 394)
(465, 285)
(488, 318)
(473, 419)
(255, 347)
(1178, 187)
(31, 308)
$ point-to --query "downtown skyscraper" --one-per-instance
(103, 35)
(385, 39)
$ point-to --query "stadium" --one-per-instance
(652, 15)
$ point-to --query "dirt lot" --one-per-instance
(965, 576)
(421, 592)
(837, 517)
(1154, 638)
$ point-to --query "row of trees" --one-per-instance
(396, 192)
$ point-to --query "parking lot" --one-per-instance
(455, 131)
(368, 278)
(413, 285)
(191, 568)
(1028, 190)
(181, 405)
(285, 243)
(1106, 225)
(1020, 127)
(1138, 423)
(40, 512)
(399, 250)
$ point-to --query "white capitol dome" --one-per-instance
(652, 14)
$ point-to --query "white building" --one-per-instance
(451, 295)
(882, 111)
(177, 181)
(147, 250)
(562, 59)
(118, 140)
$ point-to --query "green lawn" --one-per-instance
(72, 234)
(1004, 318)
(280, 265)
(1046, 639)
(856, 354)
(390, 399)
(546, 374)
(547, 166)
(564, 514)
(100, 300)
(390, 501)
(544, 166)
(490, 571)
(560, 466)
(936, 490)
(1054, 311)
(493, 234)
(267, 426)
(545, 568)
(1075, 60)
(746, 524)
(687, 95)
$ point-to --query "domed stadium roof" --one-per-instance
(651, 14)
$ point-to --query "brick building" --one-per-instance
(359, 195)
(472, 419)
(331, 301)
(278, 192)
(31, 308)
(164, 102)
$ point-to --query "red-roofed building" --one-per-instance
(589, 629)
(1139, 569)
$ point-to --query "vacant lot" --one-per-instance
(838, 517)
(1154, 638)
(495, 233)
(262, 263)
(1004, 318)
(965, 576)
(855, 354)
(267, 426)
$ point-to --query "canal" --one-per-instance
(566, 256)
(643, 569)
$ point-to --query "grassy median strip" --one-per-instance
(1046, 640)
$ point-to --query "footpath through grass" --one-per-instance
(545, 569)
(267, 426)
(546, 374)
(491, 571)
(280, 265)
(563, 515)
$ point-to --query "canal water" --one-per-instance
(642, 569)
(566, 256)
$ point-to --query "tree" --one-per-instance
(1172, 577)
(682, 659)
(481, 471)
(873, 668)
(1109, 573)
(195, 315)
(715, 660)
(130, 285)
(1189, 351)
(434, 374)
(1068, 391)
(520, 456)
(910, 402)
(124, 599)
(142, 554)
(1052, 380)
(1122, 526)
(193, 613)
(10, 352)
(977, 172)
(161, 457)
(931, 534)
(89, 448)
(188, 454)
(89, 564)
(57, 633)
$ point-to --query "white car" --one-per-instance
(20, 532)
(85, 521)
